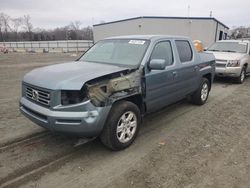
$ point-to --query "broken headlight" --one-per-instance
(72, 96)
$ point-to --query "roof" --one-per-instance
(147, 37)
(162, 17)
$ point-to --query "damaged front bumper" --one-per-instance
(67, 119)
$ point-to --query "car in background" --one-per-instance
(232, 58)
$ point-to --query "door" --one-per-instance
(160, 84)
(188, 78)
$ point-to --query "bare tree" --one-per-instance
(4, 25)
(28, 25)
(16, 22)
(240, 32)
(75, 25)
(75, 28)
(21, 28)
(87, 33)
(1, 27)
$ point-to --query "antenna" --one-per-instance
(188, 11)
(211, 14)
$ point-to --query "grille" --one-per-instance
(38, 95)
(220, 65)
(221, 60)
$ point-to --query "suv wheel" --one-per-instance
(201, 94)
(242, 76)
(122, 125)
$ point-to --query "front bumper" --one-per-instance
(88, 123)
(228, 71)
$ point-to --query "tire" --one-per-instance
(242, 76)
(201, 94)
(122, 126)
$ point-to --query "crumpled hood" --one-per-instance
(68, 76)
(227, 55)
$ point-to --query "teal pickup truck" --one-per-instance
(107, 91)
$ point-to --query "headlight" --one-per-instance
(233, 63)
(72, 97)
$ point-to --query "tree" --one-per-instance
(75, 27)
(4, 26)
(240, 32)
(1, 27)
(28, 25)
(17, 22)
(21, 28)
(87, 33)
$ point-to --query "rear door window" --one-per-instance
(185, 51)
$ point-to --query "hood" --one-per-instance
(68, 76)
(227, 55)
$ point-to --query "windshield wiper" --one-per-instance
(228, 51)
(213, 50)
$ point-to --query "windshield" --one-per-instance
(238, 47)
(117, 51)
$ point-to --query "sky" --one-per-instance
(50, 14)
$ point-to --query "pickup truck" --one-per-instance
(232, 58)
(107, 91)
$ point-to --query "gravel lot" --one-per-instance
(180, 146)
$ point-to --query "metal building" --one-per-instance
(206, 29)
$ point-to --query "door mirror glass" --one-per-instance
(157, 64)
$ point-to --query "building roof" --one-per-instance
(162, 17)
(147, 37)
(235, 40)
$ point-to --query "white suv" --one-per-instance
(232, 58)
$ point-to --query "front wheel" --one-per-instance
(122, 126)
(242, 76)
(201, 94)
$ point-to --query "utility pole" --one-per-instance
(211, 14)
(188, 11)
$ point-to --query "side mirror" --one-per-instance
(205, 49)
(157, 64)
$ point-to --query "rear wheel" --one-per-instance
(242, 76)
(201, 94)
(122, 126)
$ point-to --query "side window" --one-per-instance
(184, 50)
(163, 50)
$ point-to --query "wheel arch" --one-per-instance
(137, 99)
(209, 77)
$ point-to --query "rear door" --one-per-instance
(160, 84)
(188, 70)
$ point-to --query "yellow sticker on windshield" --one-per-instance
(140, 42)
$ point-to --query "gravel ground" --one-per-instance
(180, 146)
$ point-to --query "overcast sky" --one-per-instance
(56, 13)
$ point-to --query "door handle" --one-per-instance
(174, 73)
(196, 67)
